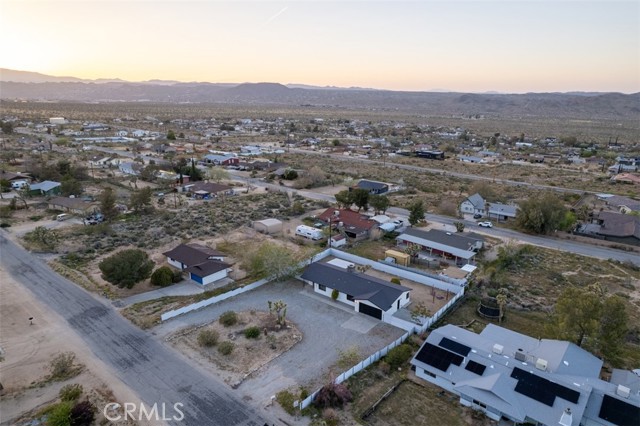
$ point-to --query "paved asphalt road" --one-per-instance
(154, 372)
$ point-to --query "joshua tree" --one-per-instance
(280, 309)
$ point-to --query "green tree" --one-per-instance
(60, 414)
(44, 238)
(126, 268)
(576, 315)
(273, 261)
(171, 135)
(361, 198)
(613, 329)
(542, 215)
(107, 200)
(344, 199)
(141, 200)
(380, 203)
(70, 186)
(416, 213)
(7, 127)
(217, 174)
(149, 173)
(163, 276)
(459, 226)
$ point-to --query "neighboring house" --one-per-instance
(354, 225)
(13, 177)
(203, 264)
(626, 178)
(222, 159)
(101, 162)
(368, 295)
(431, 154)
(337, 241)
(473, 204)
(46, 188)
(618, 227)
(461, 248)
(623, 204)
(371, 186)
(250, 150)
(501, 212)
(130, 168)
(71, 205)
(205, 189)
(514, 377)
(471, 159)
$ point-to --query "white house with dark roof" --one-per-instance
(473, 204)
(367, 294)
(203, 264)
(508, 375)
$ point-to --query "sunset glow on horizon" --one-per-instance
(463, 46)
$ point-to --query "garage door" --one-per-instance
(371, 311)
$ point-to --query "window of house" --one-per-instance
(349, 298)
(429, 373)
(407, 296)
(322, 287)
(478, 403)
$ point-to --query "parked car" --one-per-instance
(477, 216)
(485, 224)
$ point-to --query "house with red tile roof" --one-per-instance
(355, 226)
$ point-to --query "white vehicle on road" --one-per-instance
(485, 224)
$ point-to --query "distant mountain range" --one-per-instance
(36, 86)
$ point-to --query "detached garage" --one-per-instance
(208, 272)
(268, 226)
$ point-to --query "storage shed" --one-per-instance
(268, 226)
(400, 257)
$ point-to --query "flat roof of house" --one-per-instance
(46, 185)
(360, 286)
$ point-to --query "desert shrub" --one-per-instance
(70, 392)
(177, 277)
(228, 318)
(304, 393)
(399, 355)
(208, 338)
(163, 276)
(252, 333)
(334, 294)
(58, 415)
(395, 280)
(61, 367)
(333, 395)
(285, 399)
(384, 367)
(330, 416)
(82, 414)
(126, 268)
(226, 347)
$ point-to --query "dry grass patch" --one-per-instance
(248, 354)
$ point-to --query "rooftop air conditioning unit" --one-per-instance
(521, 356)
(623, 391)
(336, 212)
(498, 349)
(541, 364)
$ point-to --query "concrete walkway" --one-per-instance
(183, 288)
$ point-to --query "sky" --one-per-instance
(508, 46)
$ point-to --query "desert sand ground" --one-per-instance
(28, 348)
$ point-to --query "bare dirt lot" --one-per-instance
(27, 350)
(249, 354)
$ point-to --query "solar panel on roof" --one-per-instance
(475, 367)
(437, 357)
(456, 347)
(619, 412)
(542, 390)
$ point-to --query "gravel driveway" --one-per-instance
(327, 326)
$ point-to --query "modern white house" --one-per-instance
(367, 294)
(203, 264)
(511, 376)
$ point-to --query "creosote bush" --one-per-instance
(208, 338)
(70, 392)
(226, 347)
(399, 355)
(228, 318)
(252, 333)
(82, 414)
(61, 367)
(333, 395)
